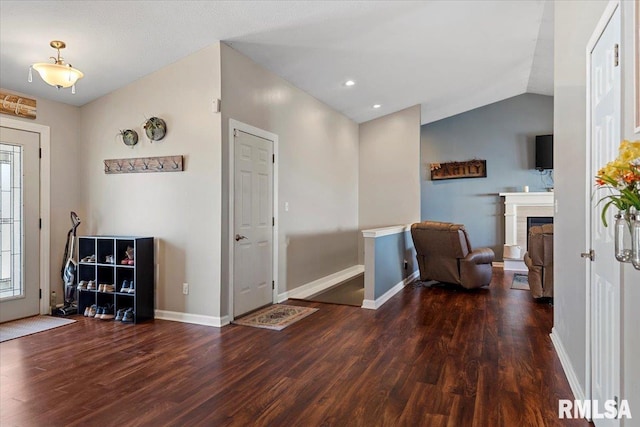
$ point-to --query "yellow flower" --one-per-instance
(622, 178)
(629, 151)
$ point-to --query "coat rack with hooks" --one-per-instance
(143, 165)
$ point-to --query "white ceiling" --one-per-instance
(449, 56)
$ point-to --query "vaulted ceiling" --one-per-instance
(449, 56)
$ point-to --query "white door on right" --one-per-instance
(605, 270)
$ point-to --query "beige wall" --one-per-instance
(575, 21)
(317, 167)
(389, 173)
(63, 121)
(181, 210)
(574, 25)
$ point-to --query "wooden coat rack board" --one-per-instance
(144, 165)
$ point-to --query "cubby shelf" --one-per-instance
(141, 274)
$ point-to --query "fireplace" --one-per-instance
(537, 220)
(519, 208)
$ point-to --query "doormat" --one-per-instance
(520, 281)
(30, 325)
(276, 317)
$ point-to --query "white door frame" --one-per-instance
(233, 125)
(589, 180)
(45, 201)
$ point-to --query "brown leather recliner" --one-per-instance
(445, 254)
(539, 260)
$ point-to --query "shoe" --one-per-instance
(125, 287)
(99, 312)
(107, 313)
(129, 259)
(86, 311)
(108, 259)
(120, 313)
(91, 286)
(82, 286)
(128, 316)
(105, 287)
(131, 289)
(92, 311)
(91, 258)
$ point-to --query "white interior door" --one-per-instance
(605, 270)
(253, 222)
(19, 224)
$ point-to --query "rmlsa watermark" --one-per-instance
(593, 409)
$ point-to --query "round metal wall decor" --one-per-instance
(129, 137)
(155, 128)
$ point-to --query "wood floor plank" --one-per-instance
(431, 356)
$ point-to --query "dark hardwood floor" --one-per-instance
(428, 357)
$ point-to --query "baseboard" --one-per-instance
(497, 264)
(569, 372)
(321, 284)
(198, 319)
(283, 297)
(374, 305)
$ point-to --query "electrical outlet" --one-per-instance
(185, 288)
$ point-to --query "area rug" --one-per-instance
(520, 281)
(276, 317)
(30, 325)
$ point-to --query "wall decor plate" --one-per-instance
(155, 128)
(129, 137)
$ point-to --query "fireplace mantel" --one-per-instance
(529, 199)
(519, 206)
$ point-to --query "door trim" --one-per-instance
(611, 8)
(233, 125)
(45, 202)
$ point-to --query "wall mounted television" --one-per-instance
(544, 152)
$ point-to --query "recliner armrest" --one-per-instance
(480, 256)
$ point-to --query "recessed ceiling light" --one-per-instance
(377, 105)
(349, 83)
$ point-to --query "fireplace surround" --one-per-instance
(536, 220)
(518, 207)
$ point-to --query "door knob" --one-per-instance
(591, 254)
(239, 237)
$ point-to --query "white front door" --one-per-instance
(605, 270)
(253, 222)
(19, 224)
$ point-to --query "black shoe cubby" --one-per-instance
(141, 274)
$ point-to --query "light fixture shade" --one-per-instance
(58, 75)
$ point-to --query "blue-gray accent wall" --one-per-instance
(390, 253)
(503, 134)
